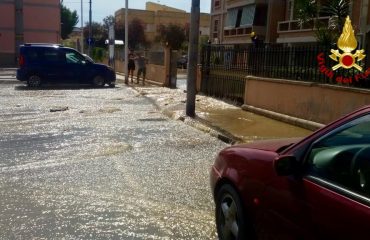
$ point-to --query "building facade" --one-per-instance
(156, 14)
(232, 21)
(26, 21)
(275, 21)
(290, 31)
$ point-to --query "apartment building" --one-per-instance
(157, 14)
(275, 21)
(232, 21)
(27, 21)
(290, 31)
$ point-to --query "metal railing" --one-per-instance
(296, 26)
(225, 67)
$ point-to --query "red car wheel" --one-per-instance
(230, 216)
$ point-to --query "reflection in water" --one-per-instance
(181, 81)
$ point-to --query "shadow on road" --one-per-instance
(59, 87)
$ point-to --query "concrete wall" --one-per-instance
(152, 19)
(27, 21)
(154, 73)
(276, 13)
(151, 6)
(7, 34)
(319, 103)
(41, 21)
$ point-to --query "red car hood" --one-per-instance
(273, 145)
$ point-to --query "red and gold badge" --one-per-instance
(347, 43)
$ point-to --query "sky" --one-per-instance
(103, 8)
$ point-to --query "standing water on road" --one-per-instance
(246, 125)
(242, 124)
(181, 81)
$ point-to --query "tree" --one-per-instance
(172, 34)
(68, 20)
(338, 10)
(136, 35)
(108, 21)
(305, 10)
(99, 34)
(119, 30)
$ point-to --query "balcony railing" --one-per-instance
(230, 32)
(295, 26)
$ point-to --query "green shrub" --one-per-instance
(98, 54)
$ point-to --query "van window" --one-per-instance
(74, 57)
(32, 54)
(52, 55)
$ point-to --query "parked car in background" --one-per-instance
(52, 63)
(182, 62)
(312, 188)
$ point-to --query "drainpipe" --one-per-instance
(90, 29)
(363, 21)
(19, 27)
(82, 28)
(222, 22)
(268, 22)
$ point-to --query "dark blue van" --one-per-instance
(53, 63)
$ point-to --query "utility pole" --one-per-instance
(126, 42)
(82, 29)
(90, 30)
(193, 58)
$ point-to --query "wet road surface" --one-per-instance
(244, 125)
(100, 164)
(181, 81)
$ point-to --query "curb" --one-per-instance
(310, 125)
(201, 124)
(220, 133)
(146, 80)
(9, 81)
(197, 122)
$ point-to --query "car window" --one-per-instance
(343, 157)
(74, 57)
(52, 55)
(32, 54)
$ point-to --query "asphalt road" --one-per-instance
(100, 164)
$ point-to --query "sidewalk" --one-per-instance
(8, 71)
(221, 119)
(8, 75)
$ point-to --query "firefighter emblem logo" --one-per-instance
(347, 43)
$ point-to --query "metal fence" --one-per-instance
(225, 67)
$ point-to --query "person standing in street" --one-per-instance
(131, 66)
(141, 63)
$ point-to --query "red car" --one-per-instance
(313, 188)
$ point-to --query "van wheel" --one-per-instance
(34, 81)
(98, 81)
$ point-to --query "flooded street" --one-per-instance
(100, 164)
(83, 163)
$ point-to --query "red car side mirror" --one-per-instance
(286, 165)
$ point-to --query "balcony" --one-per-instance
(294, 26)
(229, 32)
